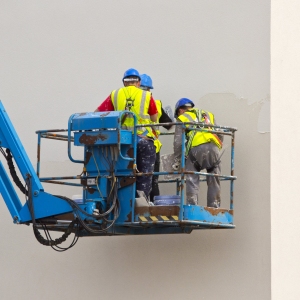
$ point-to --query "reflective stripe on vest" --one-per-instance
(159, 114)
(157, 142)
(196, 138)
(136, 101)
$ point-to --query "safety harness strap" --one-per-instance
(191, 137)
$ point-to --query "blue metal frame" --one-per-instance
(44, 203)
(109, 150)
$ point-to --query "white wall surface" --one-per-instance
(285, 91)
(62, 57)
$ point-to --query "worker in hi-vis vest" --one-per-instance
(202, 152)
(132, 98)
(162, 117)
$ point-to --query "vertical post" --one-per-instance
(232, 170)
(38, 155)
(70, 139)
(182, 171)
(134, 141)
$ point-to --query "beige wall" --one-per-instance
(62, 57)
(285, 91)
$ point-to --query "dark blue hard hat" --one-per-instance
(146, 81)
(131, 73)
(183, 102)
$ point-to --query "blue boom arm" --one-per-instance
(45, 205)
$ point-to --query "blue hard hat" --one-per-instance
(146, 81)
(131, 72)
(183, 102)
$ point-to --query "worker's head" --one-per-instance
(146, 82)
(131, 77)
(182, 106)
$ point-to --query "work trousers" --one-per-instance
(207, 156)
(155, 187)
(145, 164)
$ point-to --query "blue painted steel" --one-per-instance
(93, 120)
(102, 137)
(206, 214)
(45, 205)
(9, 195)
(232, 171)
(109, 172)
(182, 191)
(9, 139)
(110, 157)
(108, 149)
(38, 154)
(49, 134)
(70, 123)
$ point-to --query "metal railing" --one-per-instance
(54, 134)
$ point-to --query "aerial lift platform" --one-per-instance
(108, 205)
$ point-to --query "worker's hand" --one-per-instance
(176, 165)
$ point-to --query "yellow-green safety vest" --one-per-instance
(199, 137)
(137, 101)
(157, 142)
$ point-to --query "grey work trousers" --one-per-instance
(207, 156)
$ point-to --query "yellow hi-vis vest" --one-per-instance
(137, 101)
(199, 137)
(157, 142)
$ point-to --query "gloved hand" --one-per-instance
(176, 165)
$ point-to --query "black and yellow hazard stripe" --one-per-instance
(158, 218)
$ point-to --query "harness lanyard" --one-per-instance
(129, 102)
(191, 137)
(129, 105)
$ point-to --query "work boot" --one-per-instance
(215, 204)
